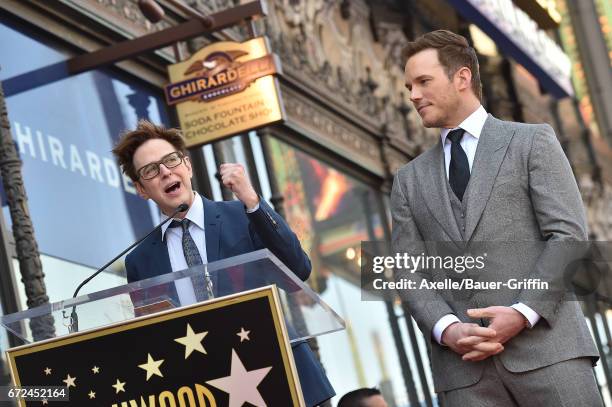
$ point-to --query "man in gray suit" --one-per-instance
(490, 180)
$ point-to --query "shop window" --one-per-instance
(332, 213)
(83, 209)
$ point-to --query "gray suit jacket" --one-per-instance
(521, 188)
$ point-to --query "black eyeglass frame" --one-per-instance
(158, 163)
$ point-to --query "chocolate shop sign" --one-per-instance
(225, 88)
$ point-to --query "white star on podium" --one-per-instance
(192, 341)
(119, 386)
(244, 335)
(242, 385)
(69, 381)
(152, 366)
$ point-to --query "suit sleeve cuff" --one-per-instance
(253, 209)
(441, 325)
(528, 313)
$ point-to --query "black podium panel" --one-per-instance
(224, 352)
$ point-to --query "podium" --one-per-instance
(219, 334)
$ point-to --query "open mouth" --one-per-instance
(172, 187)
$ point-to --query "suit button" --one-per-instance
(462, 215)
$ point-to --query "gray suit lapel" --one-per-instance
(433, 187)
(492, 146)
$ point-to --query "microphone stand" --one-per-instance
(209, 284)
(74, 318)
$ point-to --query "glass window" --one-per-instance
(234, 151)
(332, 213)
(4, 344)
(84, 210)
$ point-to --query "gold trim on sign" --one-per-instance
(283, 338)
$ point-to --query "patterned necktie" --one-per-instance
(193, 258)
(459, 168)
(190, 250)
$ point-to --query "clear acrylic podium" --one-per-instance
(306, 315)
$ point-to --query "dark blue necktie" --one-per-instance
(459, 168)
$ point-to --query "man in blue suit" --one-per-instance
(156, 160)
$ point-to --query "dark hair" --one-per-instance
(145, 131)
(354, 398)
(454, 52)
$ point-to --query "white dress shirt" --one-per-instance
(472, 125)
(174, 241)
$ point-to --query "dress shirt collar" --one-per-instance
(195, 214)
(473, 124)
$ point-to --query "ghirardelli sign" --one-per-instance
(218, 75)
(225, 88)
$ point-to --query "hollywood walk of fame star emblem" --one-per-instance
(241, 385)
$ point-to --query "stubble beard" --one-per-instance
(433, 123)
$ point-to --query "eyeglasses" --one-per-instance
(151, 170)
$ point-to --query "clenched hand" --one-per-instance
(234, 177)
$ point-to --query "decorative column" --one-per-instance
(30, 266)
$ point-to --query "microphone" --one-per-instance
(74, 323)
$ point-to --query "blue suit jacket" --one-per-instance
(230, 231)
